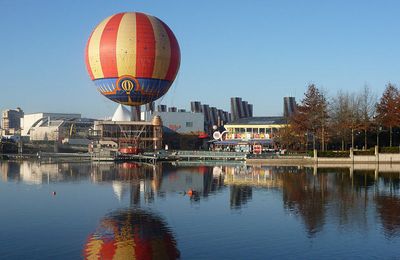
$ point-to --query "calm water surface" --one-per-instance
(128, 211)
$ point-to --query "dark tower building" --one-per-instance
(195, 107)
(206, 112)
(150, 107)
(289, 106)
(245, 106)
(221, 117)
(250, 108)
(240, 109)
(227, 116)
(214, 116)
(162, 108)
(236, 108)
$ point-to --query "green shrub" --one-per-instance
(393, 149)
(366, 152)
(340, 154)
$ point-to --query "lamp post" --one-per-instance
(377, 135)
(306, 140)
(378, 128)
(19, 142)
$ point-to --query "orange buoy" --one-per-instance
(190, 192)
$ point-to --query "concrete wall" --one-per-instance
(389, 157)
(49, 133)
(377, 158)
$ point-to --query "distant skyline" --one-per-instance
(259, 50)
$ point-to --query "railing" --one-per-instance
(210, 155)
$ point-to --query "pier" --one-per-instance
(153, 157)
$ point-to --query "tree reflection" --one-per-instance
(305, 195)
(387, 201)
(240, 195)
(388, 209)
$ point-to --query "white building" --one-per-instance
(11, 121)
(30, 121)
(180, 122)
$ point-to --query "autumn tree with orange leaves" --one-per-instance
(388, 109)
(311, 116)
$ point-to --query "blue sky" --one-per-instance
(257, 49)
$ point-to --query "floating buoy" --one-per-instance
(190, 192)
(54, 193)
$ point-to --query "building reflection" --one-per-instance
(141, 182)
(350, 198)
(131, 234)
(144, 182)
(35, 173)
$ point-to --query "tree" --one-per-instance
(388, 109)
(340, 116)
(287, 138)
(355, 116)
(367, 111)
(311, 115)
(345, 116)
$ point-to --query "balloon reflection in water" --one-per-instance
(131, 234)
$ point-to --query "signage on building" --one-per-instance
(220, 136)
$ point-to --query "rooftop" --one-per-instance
(260, 120)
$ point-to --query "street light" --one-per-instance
(378, 129)
(377, 135)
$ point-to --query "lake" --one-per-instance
(197, 211)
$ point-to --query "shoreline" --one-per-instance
(199, 157)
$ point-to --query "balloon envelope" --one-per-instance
(133, 58)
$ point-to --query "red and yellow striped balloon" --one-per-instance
(133, 58)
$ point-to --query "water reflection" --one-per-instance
(36, 173)
(341, 196)
(240, 195)
(144, 182)
(347, 198)
(131, 234)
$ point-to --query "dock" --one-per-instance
(210, 155)
(152, 157)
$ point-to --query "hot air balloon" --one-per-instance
(133, 58)
(131, 234)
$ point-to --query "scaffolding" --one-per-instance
(140, 134)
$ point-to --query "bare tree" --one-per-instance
(340, 116)
(367, 107)
(345, 116)
(355, 116)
